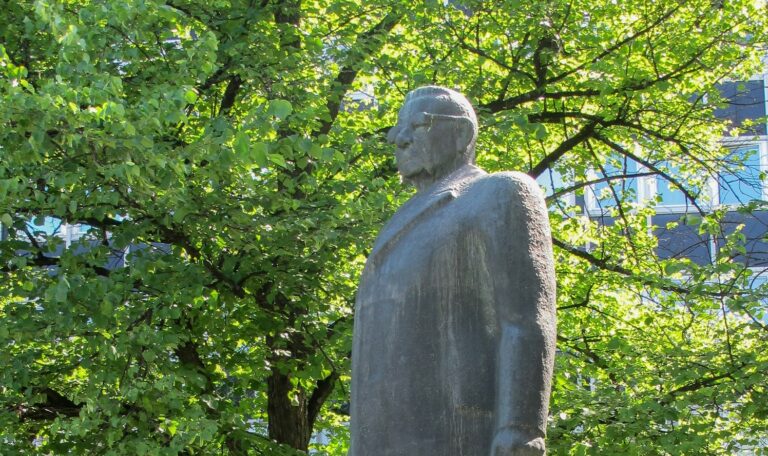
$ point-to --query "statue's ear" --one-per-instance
(465, 133)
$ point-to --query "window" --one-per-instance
(742, 181)
(673, 200)
(745, 105)
(46, 225)
(669, 194)
(758, 281)
(552, 181)
(52, 226)
(616, 182)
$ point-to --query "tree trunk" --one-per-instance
(288, 417)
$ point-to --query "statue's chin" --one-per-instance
(421, 179)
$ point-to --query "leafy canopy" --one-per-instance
(227, 161)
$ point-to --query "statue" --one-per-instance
(454, 337)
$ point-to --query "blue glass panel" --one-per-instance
(551, 181)
(756, 283)
(624, 188)
(48, 226)
(670, 195)
(741, 184)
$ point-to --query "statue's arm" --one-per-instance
(525, 305)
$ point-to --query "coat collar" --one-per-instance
(424, 204)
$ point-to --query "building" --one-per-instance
(676, 222)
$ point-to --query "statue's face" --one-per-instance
(424, 138)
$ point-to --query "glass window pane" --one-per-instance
(670, 195)
(623, 188)
(745, 102)
(551, 180)
(45, 225)
(755, 283)
(741, 183)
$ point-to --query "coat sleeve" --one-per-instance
(524, 299)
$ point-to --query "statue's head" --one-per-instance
(435, 135)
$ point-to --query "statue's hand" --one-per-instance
(516, 442)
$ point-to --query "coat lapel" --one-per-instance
(421, 206)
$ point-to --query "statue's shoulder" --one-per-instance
(512, 184)
(511, 179)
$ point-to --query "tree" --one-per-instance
(231, 154)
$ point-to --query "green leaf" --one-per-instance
(242, 145)
(280, 108)
(106, 307)
(149, 355)
(190, 96)
(180, 213)
(614, 343)
(61, 291)
(260, 151)
(277, 159)
(247, 229)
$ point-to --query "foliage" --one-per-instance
(230, 153)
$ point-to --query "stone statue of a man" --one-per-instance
(454, 337)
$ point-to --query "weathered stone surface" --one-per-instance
(454, 336)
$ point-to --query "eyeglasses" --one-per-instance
(422, 119)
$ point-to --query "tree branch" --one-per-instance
(53, 406)
(581, 185)
(622, 150)
(582, 135)
(230, 93)
(705, 382)
(323, 389)
(607, 265)
(347, 74)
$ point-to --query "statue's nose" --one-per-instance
(392, 134)
(403, 138)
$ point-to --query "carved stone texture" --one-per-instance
(454, 337)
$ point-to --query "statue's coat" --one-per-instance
(455, 320)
